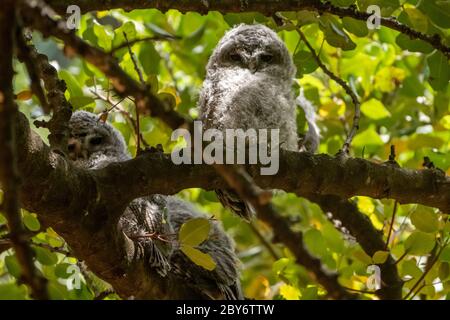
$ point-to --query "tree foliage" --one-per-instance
(401, 82)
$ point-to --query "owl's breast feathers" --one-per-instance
(239, 99)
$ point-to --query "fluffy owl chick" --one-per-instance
(248, 84)
(144, 232)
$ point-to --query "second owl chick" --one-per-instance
(144, 228)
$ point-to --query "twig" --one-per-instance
(391, 226)
(9, 175)
(357, 115)
(141, 78)
(116, 106)
(264, 241)
(424, 274)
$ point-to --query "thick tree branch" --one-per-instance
(9, 175)
(367, 236)
(266, 7)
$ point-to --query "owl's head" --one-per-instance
(91, 138)
(253, 47)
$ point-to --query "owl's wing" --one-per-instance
(138, 230)
(220, 283)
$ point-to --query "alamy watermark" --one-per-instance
(374, 20)
(74, 18)
(231, 146)
(73, 281)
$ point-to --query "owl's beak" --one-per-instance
(253, 65)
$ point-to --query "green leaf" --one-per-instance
(315, 242)
(31, 222)
(439, 70)
(305, 63)
(334, 34)
(199, 258)
(362, 256)
(149, 58)
(374, 109)
(410, 268)
(413, 45)
(73, 86)
(13, 266)
(425, 219)
(104, 36)
(45, 256)
(380, 257)
(444, 270)
(419, 243)
(119, 38)
(12, 291)
(368, 138)
(305, 17)
(357, 27)
(194, 231)
(61, 270)
(414, 18)
(445, 254)
(437, 10)
(445, 122)
(79, 102)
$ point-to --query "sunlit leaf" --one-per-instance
(199, 258)
(419, 243)
(194, 231)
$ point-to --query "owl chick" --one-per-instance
(248, 85)
(144, 232)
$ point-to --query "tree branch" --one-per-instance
(242, 183)
(36, 15)
(356, 103)
(57, 102)
(367, 236)
(9, 174)
(266, 7)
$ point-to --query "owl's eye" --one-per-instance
(96, 141)
(265, 57)
(235, 57)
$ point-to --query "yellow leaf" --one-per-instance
(194, 232)
(289, 292)
(24, 95)
(199, 258)
(380, 257)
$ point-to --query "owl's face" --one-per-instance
(255, 48)
(89, 136)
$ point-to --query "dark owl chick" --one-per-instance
(145, 230)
